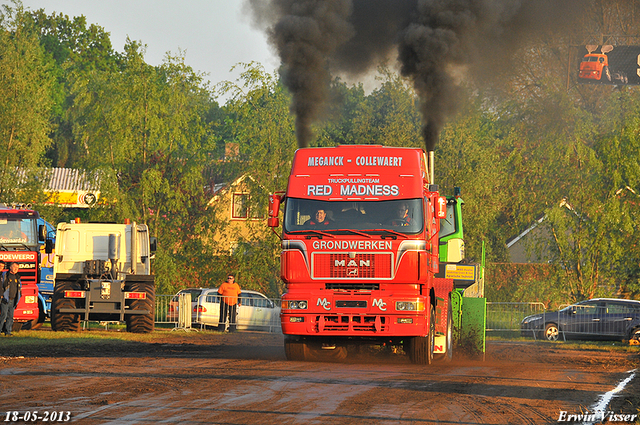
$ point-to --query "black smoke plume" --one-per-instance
(430, 38)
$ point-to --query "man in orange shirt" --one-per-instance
(229, 303)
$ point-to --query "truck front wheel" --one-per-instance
(294, 349)
(63, 322)
(142, 323)
(326, 352)
(421, 347)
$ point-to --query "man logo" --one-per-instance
(352, 266)
(352, 263)
(380, 304)
(324, 303)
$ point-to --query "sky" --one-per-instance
(215, 34)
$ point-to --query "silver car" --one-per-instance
(255, 312)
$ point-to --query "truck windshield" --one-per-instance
(17, 233)
(402, 216)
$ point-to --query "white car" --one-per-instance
(173, 310)
(256, 311)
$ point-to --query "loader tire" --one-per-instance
(63, 322)
(142, 323)
(448, 356)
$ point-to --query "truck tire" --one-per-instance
(421, 347)
(317, 351)
(31, 325)
(63, 322)
(36, 323)
(142, 323)
(294, 349)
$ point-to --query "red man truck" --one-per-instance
(20, 240)
(360, 254)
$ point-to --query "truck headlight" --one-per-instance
(409, 306)
(30, 299)
(295, 305)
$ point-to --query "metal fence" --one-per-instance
(165, 312)
(254, 312)
(257, 312)
(508, 316)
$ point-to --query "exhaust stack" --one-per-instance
(432, 173)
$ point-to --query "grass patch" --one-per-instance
(570, 344)
(97, 335)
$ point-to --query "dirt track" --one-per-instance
(244, 379)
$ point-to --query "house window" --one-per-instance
(240, 208)
(244, 207)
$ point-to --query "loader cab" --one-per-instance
(451, 233)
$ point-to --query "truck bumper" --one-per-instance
(354, 325)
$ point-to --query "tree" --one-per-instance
(259, 122)
(388, 116)
(75, 49)
(25, 98)
(145, 126)
(473, 154)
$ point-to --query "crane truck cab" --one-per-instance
(595, 66)
(102, 272)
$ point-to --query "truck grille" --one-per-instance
(347, 323)
(27, 275)
(357, 287)
(351, 304)
(342, 266)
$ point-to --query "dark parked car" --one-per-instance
(598, 318)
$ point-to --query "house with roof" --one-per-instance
(522, 248)
(240, 209)
(71, 188)
(65, 187)
(534, 245)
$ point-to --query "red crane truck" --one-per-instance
(20, 240)
(361, 254)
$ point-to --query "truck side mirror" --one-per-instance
(274, 209)
(273, 222)
(42, 232)
(48, 246)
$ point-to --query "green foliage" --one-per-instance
(25, 99)
(527, 146)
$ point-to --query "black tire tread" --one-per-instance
(63, 322)
(142, 323)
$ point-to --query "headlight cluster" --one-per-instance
(531, 319)
(409, 306)
(294, 305)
